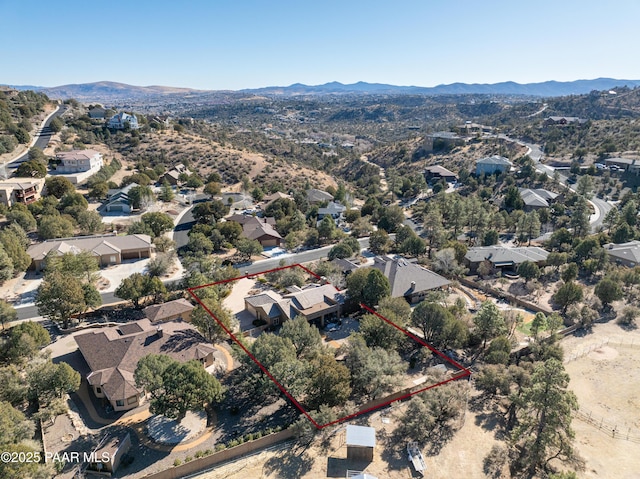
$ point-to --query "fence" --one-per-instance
(504, 295)
(611, 429)
(584, 350)
(223, 456)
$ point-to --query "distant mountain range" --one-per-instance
(111, 91)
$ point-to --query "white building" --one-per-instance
(78, 161)
(119, 121)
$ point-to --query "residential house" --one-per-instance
(97, 113)
(333, 209)
(108, 456)
(407, 279)
(624, 164)
(172, 176)
(536, 198)
(267, 200)
(625, 254)
(78, 161)
(318, 196)
(121, 120)
(244, 219)
(347, 266)
(437, 172)
(564, 120)
(176, 310)
(318, 303)
(20, 191)
(107, 249)
(113, 354)
(503, 258)
(118, 200)
(263, 232)
(442, 140)
(492, 164)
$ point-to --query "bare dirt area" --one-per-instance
(462, 456)
(605, 376)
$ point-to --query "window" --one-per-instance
(98, 390)
(132, 400)
(112, 259)
(276, 321)
(119, 402)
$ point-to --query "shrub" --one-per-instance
(199, 454)
(220, 447)
(188, 459)
(177, 462)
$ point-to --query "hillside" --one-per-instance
(19, 113)
(198, 148)
(112, 92)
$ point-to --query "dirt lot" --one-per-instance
(606, 378)
(461, 457)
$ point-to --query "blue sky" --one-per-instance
(221, 44)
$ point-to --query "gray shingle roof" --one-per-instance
(499, 255)
(494, 160)
(401, 273)
(626, 251)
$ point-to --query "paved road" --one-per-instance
(43, 137)
(601, 207)
(31, 312)
(303, 257)
(181, 230)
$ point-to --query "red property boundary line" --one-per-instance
(464, 372)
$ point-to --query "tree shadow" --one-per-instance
(293, 464)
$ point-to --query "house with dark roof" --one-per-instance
(173, 175)
(107, 249)
(492, 164)
(442, 139)
(97, 113)
(317, 303)
(564, 120)
(176, 310)
(113, 353)
(118, 200)
(503, 258)
(625, 254)
(438, 172)
(261, 230)
(407, 279)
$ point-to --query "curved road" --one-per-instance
(601, 207)
(42, 138)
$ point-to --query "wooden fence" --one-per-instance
(626, 433)
(587, 348)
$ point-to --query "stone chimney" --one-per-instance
(159, 331)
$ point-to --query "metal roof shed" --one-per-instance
(361, 441)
